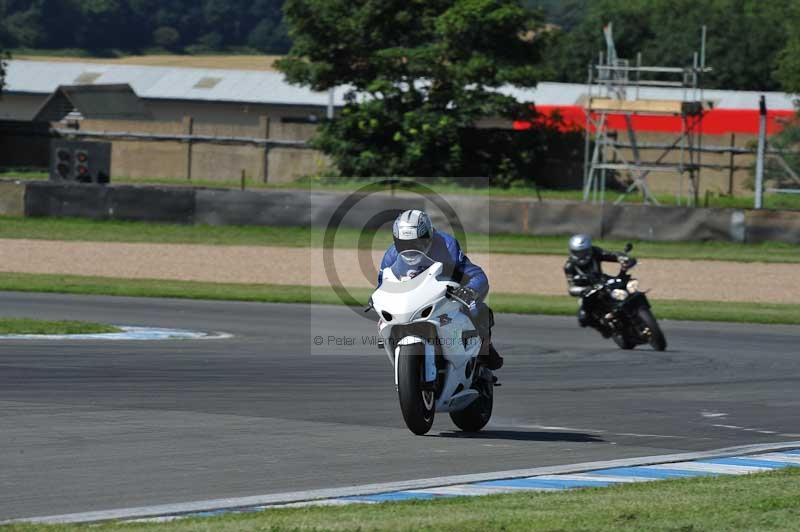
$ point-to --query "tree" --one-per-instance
(788, 63)
(268, 36)
(788, 139)
(210, 41)
(24, 27)
(105, 26)
(166, 37)
(421, 75)
(3, 57)
(744, 38)
(564, 13)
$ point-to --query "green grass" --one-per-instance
(82, 229)
(671, 309)
(79, 229)
(714, 200)
(760, 502)
(31, 326)
(24, 174)
(512, 303)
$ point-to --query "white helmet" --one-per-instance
(413, 230)
(580, 249)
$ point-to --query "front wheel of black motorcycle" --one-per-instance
(623, 342)
(655, 337)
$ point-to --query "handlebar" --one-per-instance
(627, 264)
(451, 295)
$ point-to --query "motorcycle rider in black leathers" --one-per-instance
(583, 270)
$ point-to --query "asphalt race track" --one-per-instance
(98, 425)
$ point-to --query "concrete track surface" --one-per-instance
(97, 425)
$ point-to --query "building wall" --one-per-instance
(224, 113)
(141, 159)
(287, 164)
(202, 161)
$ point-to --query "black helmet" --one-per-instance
(580, 249)
(413, 230)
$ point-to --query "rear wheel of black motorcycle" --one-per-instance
(656, 339)
(416, 403)
(477, 414)
(623, 342)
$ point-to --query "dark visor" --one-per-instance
(417, 244)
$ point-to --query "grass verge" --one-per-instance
(31, 326)
(511, 303)
(765, 501)
(712, 199)
(79, 229)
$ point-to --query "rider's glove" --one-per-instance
(627, 262)
(466, 296)
(578, 291)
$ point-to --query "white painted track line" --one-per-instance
(682, 461)
(720, 469)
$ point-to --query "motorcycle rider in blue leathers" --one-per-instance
(413, 230)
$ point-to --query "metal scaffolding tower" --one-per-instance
(613, 88)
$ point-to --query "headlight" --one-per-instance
(618, 294)
(633, 286)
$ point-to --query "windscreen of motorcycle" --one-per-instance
(410, 264)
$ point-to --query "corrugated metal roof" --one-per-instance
(568, 94)
(43, 77)
(102, 102)
(249, 86)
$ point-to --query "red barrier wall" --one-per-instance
(715, 121)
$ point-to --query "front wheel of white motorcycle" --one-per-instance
(416, 403)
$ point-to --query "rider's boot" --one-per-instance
(489, 356)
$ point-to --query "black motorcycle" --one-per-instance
(621, 311)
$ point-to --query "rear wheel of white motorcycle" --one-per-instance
(416, 403)
(656, 338)
(477, 414)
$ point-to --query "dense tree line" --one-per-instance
(423, 74)
(136, 25)
(566, 14)
(752, 44)
(2, 71)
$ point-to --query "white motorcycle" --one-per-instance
(433, 345)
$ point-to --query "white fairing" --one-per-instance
(406, 301)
